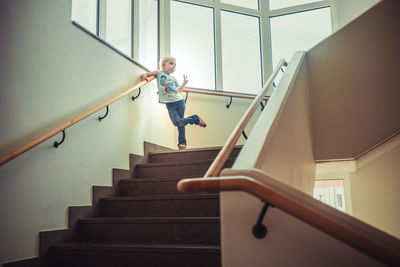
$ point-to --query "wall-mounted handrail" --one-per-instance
(69, 123)
(221, 93)
(361, 236)
(223, 155)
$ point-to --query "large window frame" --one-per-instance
(263, 14)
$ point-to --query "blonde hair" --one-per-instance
(165, 59)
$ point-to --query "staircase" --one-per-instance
(146, 221)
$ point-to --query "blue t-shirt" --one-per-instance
(167, 88)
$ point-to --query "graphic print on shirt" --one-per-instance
(169, 86)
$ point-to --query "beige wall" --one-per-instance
(375, 192)
(354, 84)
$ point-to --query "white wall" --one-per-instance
(51, 71)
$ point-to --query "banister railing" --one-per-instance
(357, 234)
(231, 95)
(61, 128)
(221, 93)
(223, 155)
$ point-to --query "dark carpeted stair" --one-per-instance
(147, 222)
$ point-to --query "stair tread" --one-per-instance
(191, 150)
(157, 179)
(171, 163)
(150, 220)
(136, 246)
(161, 197)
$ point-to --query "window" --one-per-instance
(299, 31)
(275, 4)
(253, 4)
(119, 25)
(192, 43)
(147, 43)
(241, 56)
(331, 192)
(85, 13)
(229, 45)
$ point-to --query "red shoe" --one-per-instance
(202, 123)
(181, 147)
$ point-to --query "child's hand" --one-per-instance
(144, 77)
(185, 80)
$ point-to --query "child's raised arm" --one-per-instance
(185, 81)
(145, 76)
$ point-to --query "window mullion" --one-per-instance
(135, 30)
(299, 8)
(266, 47)
(218, 46)
(334, 16)
(242, 10)
(164, 28)
(102, 18)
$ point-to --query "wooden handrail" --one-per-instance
(69, 123)
(224, 153)
(361, 236)
(220, 93)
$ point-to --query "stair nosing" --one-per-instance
(133, 220)
(160, 197)
(172, 163)
(148, 247)
(157, 179)
(190, 150)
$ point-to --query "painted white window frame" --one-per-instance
(346, 185)
(264, 15)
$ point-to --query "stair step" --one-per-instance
(150, 186)
(190, 154)
(203, 205)
(138, 255)
(198, 230)
(172, 169)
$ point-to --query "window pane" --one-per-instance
(85, 13)
(276, 4)
(241, 57)
(331, 192)
(243, 3)
(119, 25)
(299, 31)
(192, 44)
(148, 34)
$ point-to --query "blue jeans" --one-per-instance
(176, 111)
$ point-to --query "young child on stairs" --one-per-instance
(169, 93)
